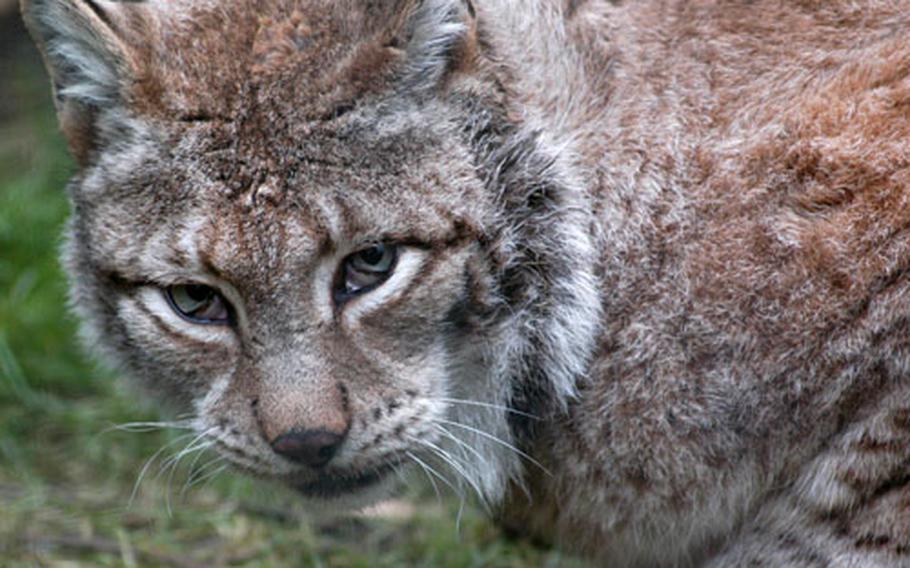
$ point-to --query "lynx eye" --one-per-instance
(198, 303)
(366, 269)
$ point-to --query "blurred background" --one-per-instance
(78, 489)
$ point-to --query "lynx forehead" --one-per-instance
(633, 273)
(223, 60)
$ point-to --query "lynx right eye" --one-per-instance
(365, 270)
(198, 303)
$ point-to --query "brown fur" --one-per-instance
(676, 232)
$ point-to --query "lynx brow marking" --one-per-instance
(179, 257)
(208, 265)
(125, 284)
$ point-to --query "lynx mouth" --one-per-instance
(327, 486)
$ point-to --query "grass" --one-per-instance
(66, 479)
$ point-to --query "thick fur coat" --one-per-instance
(652, 294)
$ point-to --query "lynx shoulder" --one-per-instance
(635, 273)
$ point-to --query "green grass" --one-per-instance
(66, 478)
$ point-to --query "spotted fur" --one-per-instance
(652, 301)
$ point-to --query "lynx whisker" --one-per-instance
(432, 482)
(488, 405)
(148, 464)
(198, 444)
(430, 470)
(212, 476)
(499, 441)
(399, 470)
(459, 516)
(211, 468)
(461, 444)
(197, 456)
(454, 464)
(142, 427)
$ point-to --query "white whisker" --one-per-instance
(432, 482)
(487, 405)
(198, 443)
(458, 467)
(438, 475)
(209, 475)
(462, 445)
(140, 427)
(503, 443)
(148, 464)
(194, 472)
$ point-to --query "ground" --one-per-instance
(67, 474)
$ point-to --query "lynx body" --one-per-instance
(636, 273)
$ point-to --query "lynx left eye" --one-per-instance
(198, 303)
(365, 270)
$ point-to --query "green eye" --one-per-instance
(198, 303)
(365, 270)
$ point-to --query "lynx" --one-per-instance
(635, 273)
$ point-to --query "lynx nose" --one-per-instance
(311, 447)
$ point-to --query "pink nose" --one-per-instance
(314, 448)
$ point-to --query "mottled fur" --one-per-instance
(661, 247)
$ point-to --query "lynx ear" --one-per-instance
(440, 35)
(88, 63)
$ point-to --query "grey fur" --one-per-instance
(651, 299)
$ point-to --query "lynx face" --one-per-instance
(311, 328)
(293, 221)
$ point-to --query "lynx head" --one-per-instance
(320, 227)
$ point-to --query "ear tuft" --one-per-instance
(438, 30)
(85, 59)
